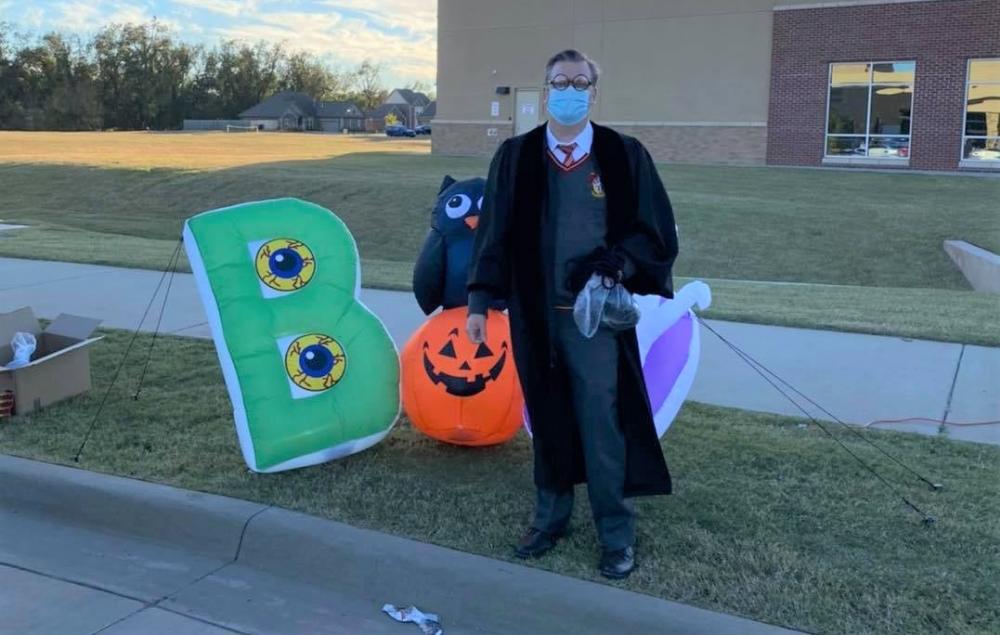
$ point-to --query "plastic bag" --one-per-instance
(24, 345)
(603, 302)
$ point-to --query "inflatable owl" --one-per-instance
(439, 277)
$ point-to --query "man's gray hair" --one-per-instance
(572, 55)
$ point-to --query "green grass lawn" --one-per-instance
(875, 237)
(834, 227)
(948, 315)
(770, 520)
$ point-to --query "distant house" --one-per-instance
(289, 110)
(377, 117)
(411, 103)
(337, 116)
(429, 113)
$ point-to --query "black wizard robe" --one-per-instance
(507, 262)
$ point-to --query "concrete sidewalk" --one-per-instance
(82, 553)
(859, 378)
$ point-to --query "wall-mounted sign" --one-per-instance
(495, 109)
(528, 109)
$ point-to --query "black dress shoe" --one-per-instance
(619, 564)
(536, 543)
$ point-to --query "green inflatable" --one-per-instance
(312, 373)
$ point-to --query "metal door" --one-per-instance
(526, 111)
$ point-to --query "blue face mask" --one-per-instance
(569, 106)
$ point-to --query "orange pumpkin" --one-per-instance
(459, 392)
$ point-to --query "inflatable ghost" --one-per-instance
(669, 347)
(442, 268)
(311, 372)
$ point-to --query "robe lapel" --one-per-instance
(613, 163)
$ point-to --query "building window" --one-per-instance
(982, 112)
(869, 110)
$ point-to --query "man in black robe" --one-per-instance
(562, 202)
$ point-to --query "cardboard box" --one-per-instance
(60, 365)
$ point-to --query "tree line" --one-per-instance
(138, 76)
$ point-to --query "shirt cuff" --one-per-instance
(479, 301)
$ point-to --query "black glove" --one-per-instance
(607, 263)
(601, 261)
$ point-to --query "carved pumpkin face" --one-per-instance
(459, 392)
(463, 375)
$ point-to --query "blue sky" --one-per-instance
(401, 34)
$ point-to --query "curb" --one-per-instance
(473, 593)
(203, 524)
(310, 549)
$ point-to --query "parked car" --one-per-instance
(422, 129)
(985, 154)
(890, 147)
(399, 131)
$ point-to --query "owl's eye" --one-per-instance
(479, 203)
(457, 206)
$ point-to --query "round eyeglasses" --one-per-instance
(580, 82)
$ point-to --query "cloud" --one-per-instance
(294, 22)
(77, 16)
(415, 16)
(34, 17)
(132, 14)
(87, 16)
(232, 8)
(345, 41)
(399, 34)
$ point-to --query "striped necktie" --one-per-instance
(568, 151)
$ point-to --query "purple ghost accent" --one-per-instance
(666, 359)
(663, 364)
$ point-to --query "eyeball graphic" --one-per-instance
(315, 362)
(457, 206)
(479, 203)
(284, 264)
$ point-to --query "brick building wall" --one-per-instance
(459, 138)
(941, 35)
(736, 145)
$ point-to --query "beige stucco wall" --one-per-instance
(690, 64)
(663, 60)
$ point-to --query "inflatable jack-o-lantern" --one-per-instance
(459, 392)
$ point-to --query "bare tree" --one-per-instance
(370, 92)
(419, 86)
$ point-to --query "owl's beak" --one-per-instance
(472, 222)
